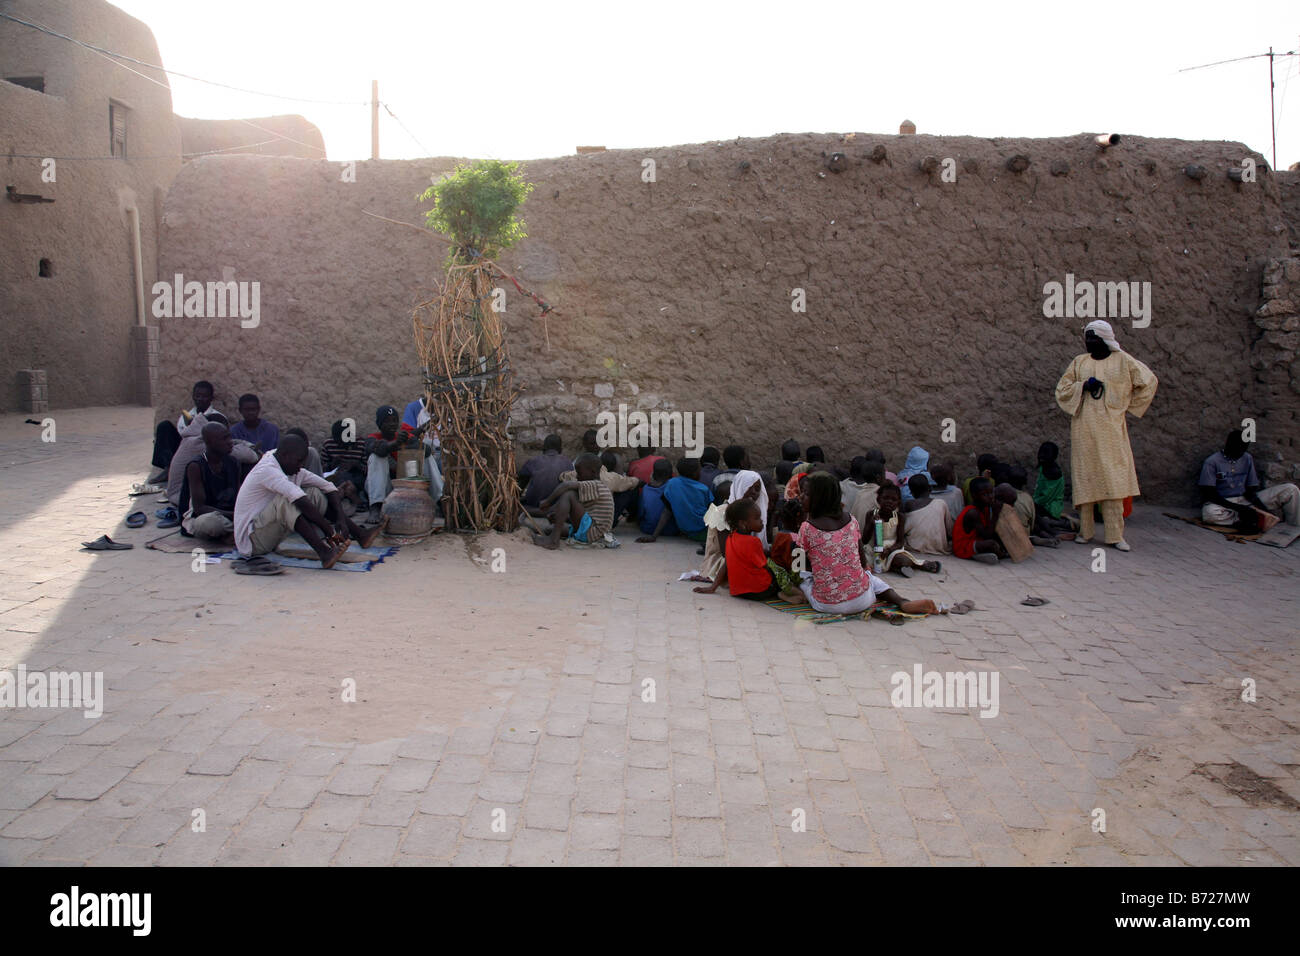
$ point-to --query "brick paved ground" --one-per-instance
(499, 717)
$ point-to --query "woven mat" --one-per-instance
(176, 543)
(1232, 534)
(294, 552)
(881, 609)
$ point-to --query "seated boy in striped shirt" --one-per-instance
(580, 506)
(348, 460)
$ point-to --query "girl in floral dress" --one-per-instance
(839, 583)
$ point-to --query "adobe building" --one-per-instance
(68, 287)
(88, 149)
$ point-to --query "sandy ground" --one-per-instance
(520, 690)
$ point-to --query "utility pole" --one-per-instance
(1272, 111)
(374, 119)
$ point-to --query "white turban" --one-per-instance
(1104, 332)
(742, 482)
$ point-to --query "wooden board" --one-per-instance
(1280, 535)
(1014, 537)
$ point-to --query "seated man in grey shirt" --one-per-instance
(1230, 489)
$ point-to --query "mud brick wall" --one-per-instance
(1276, 359)
(924, 297)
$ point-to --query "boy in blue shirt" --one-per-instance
(686, 499)
(261, 434)
(655, 518)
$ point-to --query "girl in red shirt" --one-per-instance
(746, 572)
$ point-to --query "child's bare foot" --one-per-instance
(545, 542)
(328, 561)
(934, 567)
(919, 607)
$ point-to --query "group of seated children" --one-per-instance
(920, 511)
(660, 501)
(830, 570)
(250, 482)
(854, 524)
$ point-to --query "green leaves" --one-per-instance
(475, 206)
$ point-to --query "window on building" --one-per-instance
(46, 269)
(36, 83)
(117, 114)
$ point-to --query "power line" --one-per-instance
(187, 76)
(408, 132)
(1281, 103)
(108, 55)
(114, 58)
(81, 159)
(288, 139)
(1253, 56)
(1272, 86)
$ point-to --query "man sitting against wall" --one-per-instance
(1231, 493)
(167, 437)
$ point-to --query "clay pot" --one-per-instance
(408, 508)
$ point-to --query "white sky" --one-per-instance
(523, 80)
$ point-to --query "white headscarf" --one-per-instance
(741, 483)
(1104, 332)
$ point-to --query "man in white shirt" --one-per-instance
(280, 496)
(167, 437)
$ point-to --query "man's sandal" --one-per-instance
(255, 565)
(105, 543)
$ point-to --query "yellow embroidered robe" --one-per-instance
(1101, 460)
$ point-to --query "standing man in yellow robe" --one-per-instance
(1096, 391)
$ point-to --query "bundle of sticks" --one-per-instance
(469, 391)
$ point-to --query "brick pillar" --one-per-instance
(144, 363)
(33, 391)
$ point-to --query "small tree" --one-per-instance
(462, 343)
(475, 207)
